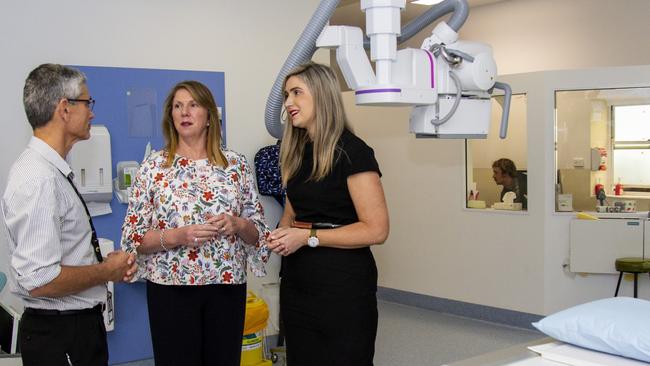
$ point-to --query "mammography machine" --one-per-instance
(447, 81)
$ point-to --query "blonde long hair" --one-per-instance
(202, 95)
(330, 121)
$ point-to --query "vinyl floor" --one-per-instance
(410, 336)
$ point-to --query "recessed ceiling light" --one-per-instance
(426, 2)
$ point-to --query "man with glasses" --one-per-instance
(56, 266)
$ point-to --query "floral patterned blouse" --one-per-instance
(183, 194)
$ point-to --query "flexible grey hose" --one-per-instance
(302, 52)
(460, 8)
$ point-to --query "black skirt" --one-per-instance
(328, 305)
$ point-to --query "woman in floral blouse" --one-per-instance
(196, 223)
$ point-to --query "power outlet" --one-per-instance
(578, 162)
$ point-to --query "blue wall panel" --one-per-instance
(125, 97)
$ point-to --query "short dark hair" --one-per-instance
(45, 86)
(507, 167)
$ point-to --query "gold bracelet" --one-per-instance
(162, 239)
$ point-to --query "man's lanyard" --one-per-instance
(93, 240)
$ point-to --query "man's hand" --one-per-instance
(120, 266)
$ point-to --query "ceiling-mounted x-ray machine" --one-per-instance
(447, 81)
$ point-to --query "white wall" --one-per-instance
(536, 35)
(248, 40)
(511, 261)
(561, 288)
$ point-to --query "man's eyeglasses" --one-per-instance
(90, 102)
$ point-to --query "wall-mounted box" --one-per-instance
(565, 202)
(578, 162)
(90, 161)
(595, 244)
(598, 159)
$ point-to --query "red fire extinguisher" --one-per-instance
(618, 188)
(597, 188)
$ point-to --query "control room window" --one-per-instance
(484, 187)
(602, 141)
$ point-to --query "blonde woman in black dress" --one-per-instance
(335, 210)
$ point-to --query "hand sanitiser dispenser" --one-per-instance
(126, 172)
(90, 161)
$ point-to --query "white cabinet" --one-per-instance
(595, 244)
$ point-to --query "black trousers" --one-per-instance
(63, 340)
(196, 325)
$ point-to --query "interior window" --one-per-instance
(488, 186)
(631, 153)
(602, 140)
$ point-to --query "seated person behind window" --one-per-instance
(504, 172)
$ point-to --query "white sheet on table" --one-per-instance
(576, 356)
(535, 361)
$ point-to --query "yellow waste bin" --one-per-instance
(252, 350)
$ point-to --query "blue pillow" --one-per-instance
(618, 325)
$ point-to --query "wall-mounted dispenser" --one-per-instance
(90, 161)
(598, 158)
(126, 172)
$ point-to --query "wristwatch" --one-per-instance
(313, 241)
